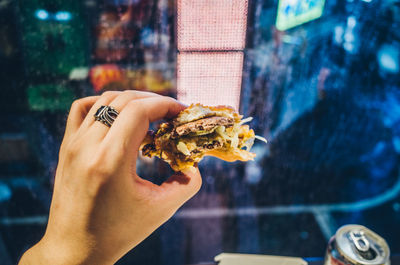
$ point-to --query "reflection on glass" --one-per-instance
(326, 94)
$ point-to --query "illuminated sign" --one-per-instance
(210, 40)
(53, 36)
(292, 13)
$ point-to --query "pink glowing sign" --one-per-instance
(211, 38)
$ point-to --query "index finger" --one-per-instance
(131, 125)
(79, 110)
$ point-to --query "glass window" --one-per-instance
(320, 79)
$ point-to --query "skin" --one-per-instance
(100, 207)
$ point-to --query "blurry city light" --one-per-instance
(339, 31)
(388, 58)
(79, 73)
(349, 37)
(42, 14)
(396, 207)
(5, 192)
(253, 173)
(351, 21)
(349, 47)
(4, 3)
(396, 144)
(292, 13)
(148, 37)
(350, 41)
(90, 3)
(63, 16)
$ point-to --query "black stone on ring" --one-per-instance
(106, 115)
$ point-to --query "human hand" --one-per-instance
(101, 208)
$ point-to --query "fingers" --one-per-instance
(78, 112)
(98, 129)
(131, 125)
(154, 109)
(182, 186)
(174, 192)
(104, 100)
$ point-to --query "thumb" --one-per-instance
(182, 186)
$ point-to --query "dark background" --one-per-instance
(326, 94)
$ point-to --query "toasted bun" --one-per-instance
(198, 111)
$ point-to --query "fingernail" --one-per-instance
(189, 171)
(183, 104)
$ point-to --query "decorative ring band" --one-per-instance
(106, 115)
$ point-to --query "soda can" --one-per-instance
(357, 245)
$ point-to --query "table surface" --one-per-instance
(395, 260)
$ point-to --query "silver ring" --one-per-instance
(106, 115)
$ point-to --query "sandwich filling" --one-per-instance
(199, 131)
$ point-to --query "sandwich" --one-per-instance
(200, 131)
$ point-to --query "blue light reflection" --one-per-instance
(63, 16)
(42, 14)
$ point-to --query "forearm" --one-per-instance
(35, 256)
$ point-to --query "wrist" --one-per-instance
(45, 252)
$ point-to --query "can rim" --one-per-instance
(378, 240)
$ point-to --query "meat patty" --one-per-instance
(206, 124)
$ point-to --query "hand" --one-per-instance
(101, 208)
